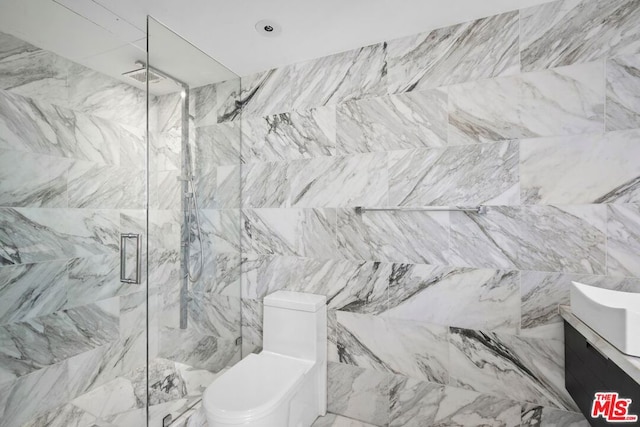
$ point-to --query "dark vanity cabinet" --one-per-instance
(588, 371)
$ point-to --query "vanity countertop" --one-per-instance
(629, 364)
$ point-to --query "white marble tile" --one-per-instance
(32, 290)
(474, 50)
(418, 350)
(623, 95)
(112, 398)
(623, 240)
(35, 235)
(203, 104)
(288, 136)
(418, 403)
(358, 393)
(218, 144)
(581, 169)
(523, 369)
(465, 175)
(64, 416)
(32, 180)
(354, 74)
(39, 342)
(554, 418)
(563, 101)
(390, 236)
(264, 185)
(338, 181)
(569, 239)
(484, 299)
(573, 31)
(394, 122)
(263, 93)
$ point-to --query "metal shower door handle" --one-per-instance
(123, 257)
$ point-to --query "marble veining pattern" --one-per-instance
(623, 95)
(466, 175)
(602, 169)
(573, 31)
(288, 136)
(623, 243)
(548, 238)
(395, 122)
(346, 76)
(572, 99)
(474, 50)
(419, 350)
(524, 369)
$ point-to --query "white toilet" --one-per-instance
(286, 384)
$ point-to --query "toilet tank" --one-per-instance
(295, 324)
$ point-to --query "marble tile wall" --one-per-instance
(446, 318)
(72, 151)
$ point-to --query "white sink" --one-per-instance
(614, 315)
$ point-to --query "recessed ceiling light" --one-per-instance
(268, 28)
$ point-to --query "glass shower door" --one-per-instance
(193, 222)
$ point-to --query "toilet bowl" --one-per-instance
(286, 384)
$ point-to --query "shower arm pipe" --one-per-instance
(473, 209)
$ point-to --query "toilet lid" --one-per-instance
(254, 386)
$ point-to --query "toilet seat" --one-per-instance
(273, 378)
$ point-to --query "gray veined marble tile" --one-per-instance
(32, 180)
(484, 299)
(35, 235)
(33, 72)
(338, 181)
(164, 228)
(66, 415)
(563, 101)
(34, 127)
(33, 395)
(272, 231)
(99, 95)
(333, 420)
(35, 343)
(133, 147)
(354, 74)
(547, 238)
(95, 278)
(165, 150)
(418, 237)
(581, 169)
(417, 403)
(565, 32)
(91, 185)
(623, 240)
(264, 185)
(465, 175)
(32, 290)
(225, 229)
(232, 182)
(288, 136)
(227, 278)
(623, 93)
(264, 93)
(215, 315)
(358, 393)
(112, 398)
(252, 314)
(263, 274)
(197, 350)
(218, 144)
(523, 369)
(473, 50)
(393, 122)
(228, 106)
(203, 104)
(418, 350)
(317, 233)
(97, 140)
(536, 416)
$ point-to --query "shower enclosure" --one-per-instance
(119, 232)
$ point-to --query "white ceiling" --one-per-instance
(109, 35)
